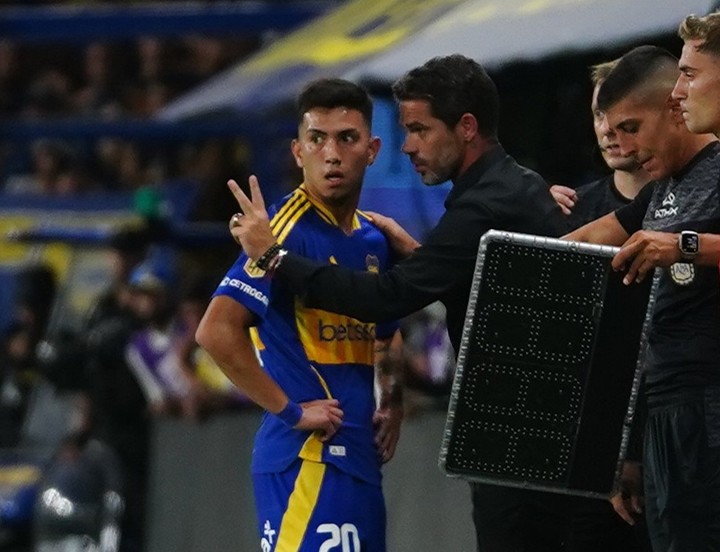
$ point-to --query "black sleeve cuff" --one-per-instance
(624, 218)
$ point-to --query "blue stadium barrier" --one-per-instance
(119, 21)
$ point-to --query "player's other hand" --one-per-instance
(565, 197)
(387, 421)
(627, 500)
(322, 415)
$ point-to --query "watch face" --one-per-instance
(689, 243)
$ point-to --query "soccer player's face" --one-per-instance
(698, 89)
(333, 148)
(435, 150)
(648, 133)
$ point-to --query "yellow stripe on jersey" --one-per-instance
(285, 230)
(330, 338)
(324, 384)
(255, 338)
(312, 449)
(297, 199)
(325, 213)
(300, 507)
(323, 216)
(363, 214)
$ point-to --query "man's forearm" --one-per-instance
(295, 271)
(606, 230)
(367, 296)
(239, 363)
(389, 370)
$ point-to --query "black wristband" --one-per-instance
(275, 261)
(263, 262)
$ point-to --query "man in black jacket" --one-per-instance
(449, 108)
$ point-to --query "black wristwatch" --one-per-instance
(689, 245)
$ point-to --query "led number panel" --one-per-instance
(548, 368)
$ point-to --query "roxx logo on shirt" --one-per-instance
(668, 208)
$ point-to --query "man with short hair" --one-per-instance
(698, 86)
(318, 452)
(449, 109)
(600, 197)
(672, 224)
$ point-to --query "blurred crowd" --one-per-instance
(109, 81)
(134, 358)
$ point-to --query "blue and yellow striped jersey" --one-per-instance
(314, 354)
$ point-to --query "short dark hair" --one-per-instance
(453, 85)
(333, 92)
(643, 66)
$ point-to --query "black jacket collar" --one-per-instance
(474, 172)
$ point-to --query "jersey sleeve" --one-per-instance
(631, 215)
(248, 285)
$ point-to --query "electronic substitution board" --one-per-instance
(548, 369)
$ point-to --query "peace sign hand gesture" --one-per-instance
(250, 227)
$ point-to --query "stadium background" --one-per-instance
(537, 51)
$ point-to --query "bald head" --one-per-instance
(648, 73)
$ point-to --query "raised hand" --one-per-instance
(250, 227)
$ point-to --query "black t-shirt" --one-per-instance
(685, 334)
(596, 199)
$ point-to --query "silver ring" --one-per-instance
(235, 219)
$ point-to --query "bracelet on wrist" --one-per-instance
(291, 414)
(274, 263)
(263, 261)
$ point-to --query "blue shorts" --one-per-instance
(314, 507)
